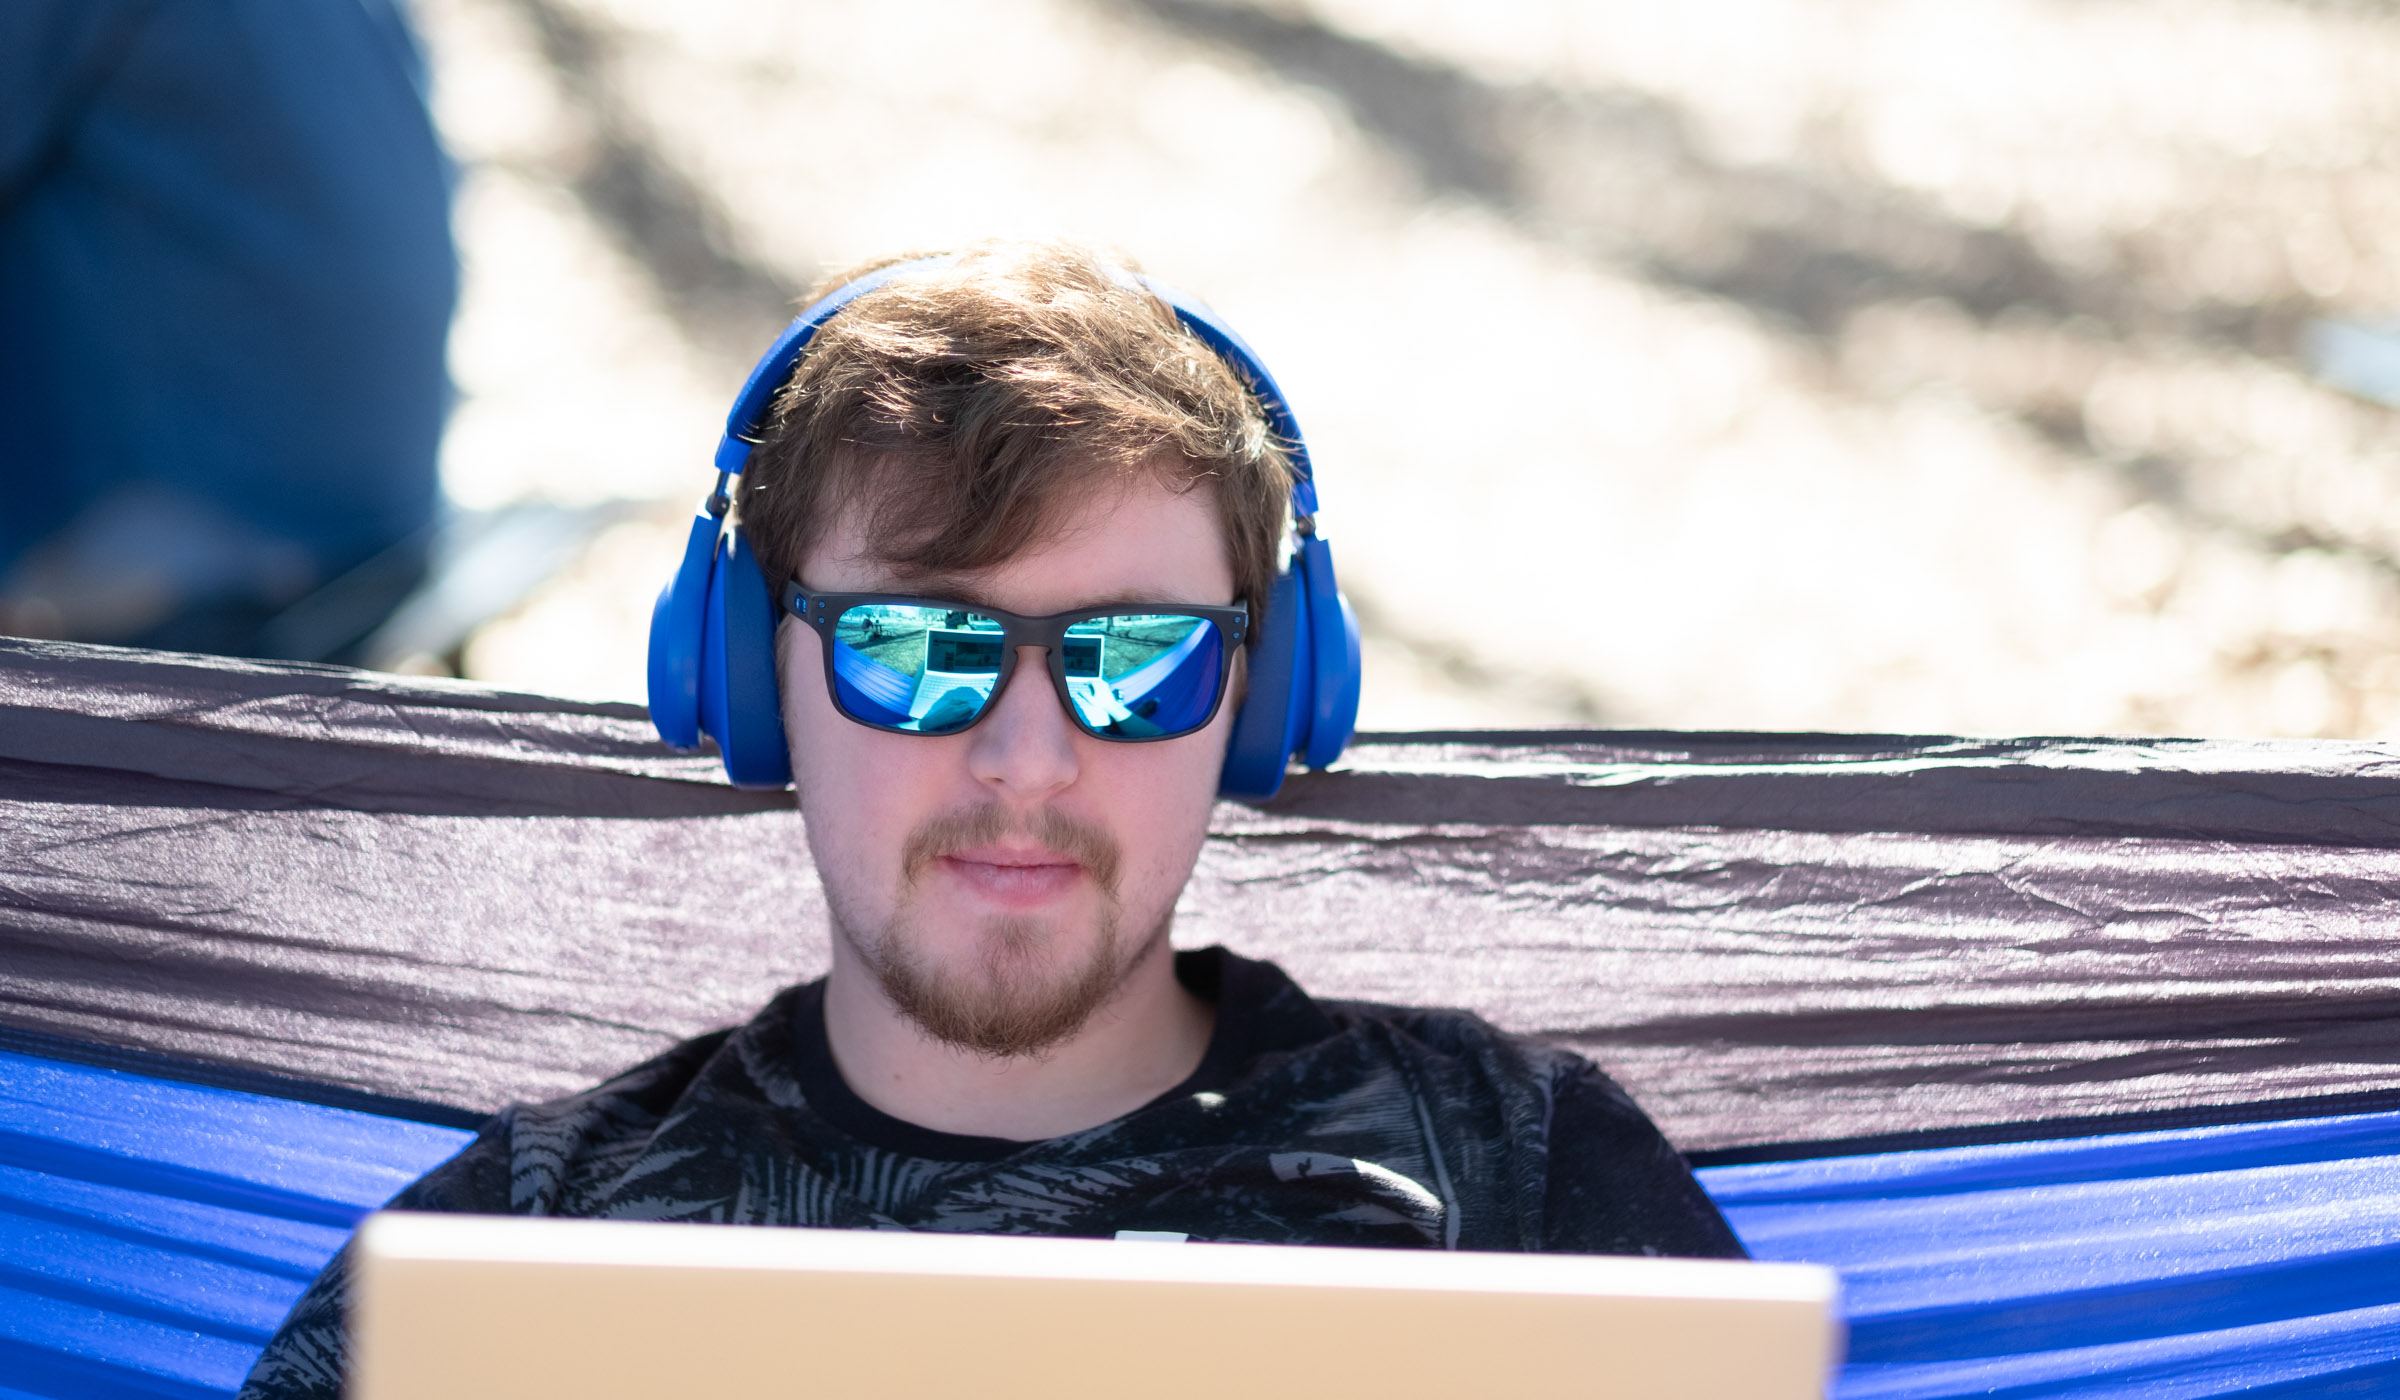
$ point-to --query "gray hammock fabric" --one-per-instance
(441, 893)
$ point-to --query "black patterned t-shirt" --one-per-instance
(1307, 1122)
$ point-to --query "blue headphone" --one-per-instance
(712, 634)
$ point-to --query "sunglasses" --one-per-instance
(1129, 674)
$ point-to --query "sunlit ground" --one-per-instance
(1927, 367)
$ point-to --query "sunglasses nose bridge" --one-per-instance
(1048, 636)
(1054, 663)
(1012, 677)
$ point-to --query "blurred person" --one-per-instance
(980, 454)
(226, 277)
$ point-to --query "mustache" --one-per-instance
(989, 824)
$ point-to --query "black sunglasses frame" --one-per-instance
(822, 610)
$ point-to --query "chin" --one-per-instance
(1018, 987)
(1012, 995)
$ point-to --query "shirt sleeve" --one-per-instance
(306, 1358)
(1616, 1186)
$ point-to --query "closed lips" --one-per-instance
(1011, 874)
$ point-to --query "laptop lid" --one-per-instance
(448, 1307)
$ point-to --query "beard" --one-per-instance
(1011, 998)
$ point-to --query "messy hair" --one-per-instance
(966, 407)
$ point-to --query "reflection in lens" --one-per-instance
(955, 710)
(1147, 676)
(923, 669)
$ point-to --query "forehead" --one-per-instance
(1137, 539)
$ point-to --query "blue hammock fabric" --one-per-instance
(2259, 1258)
(2105, 1029)
(152, 1234)
(871, 688)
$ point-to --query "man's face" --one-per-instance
(1000, 883)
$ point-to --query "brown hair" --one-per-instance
(967, 405)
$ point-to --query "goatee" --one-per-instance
(1013, 1003)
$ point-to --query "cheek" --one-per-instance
(1164, 794)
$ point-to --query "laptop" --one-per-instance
(451, 1307)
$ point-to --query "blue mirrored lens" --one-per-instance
(918, 669)
(1144, 675)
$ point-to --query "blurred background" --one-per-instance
(1976, 366)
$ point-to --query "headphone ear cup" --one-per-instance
(676, 623)
(740, 704)
(1333, 656)
(1275, 708)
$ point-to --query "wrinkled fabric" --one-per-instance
(2194, 1262)
(155, 1232)
(445, 893)
(442, 892)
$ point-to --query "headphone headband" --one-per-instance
(745, 425)
(1203, 322)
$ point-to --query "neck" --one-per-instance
(1147, 1038)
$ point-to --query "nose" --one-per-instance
(1024, 747)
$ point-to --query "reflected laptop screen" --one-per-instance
(465, 1307)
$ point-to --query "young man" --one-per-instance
(1006, 1043)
